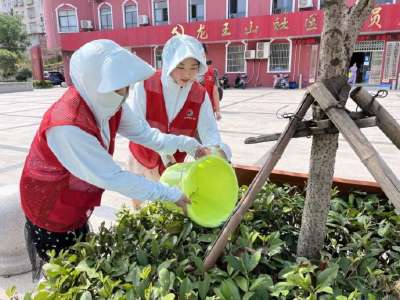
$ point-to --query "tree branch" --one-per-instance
(361, 9)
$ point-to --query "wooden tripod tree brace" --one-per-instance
(257, 184)
(323, 127)
(387, 124)
(360, 144)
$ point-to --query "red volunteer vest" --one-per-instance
(185, 123)
(209, 84)
(51, 197)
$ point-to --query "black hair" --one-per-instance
(204, 48)
(209, 62)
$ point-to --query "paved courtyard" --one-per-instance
(245, 113)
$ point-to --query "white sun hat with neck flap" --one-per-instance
(179, 48)
(107, 67)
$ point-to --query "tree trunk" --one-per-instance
(341, 28)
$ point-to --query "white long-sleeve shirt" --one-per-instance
(175, 97)
(82, 155)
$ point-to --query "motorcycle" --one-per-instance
(281, 82)
(240, 81)
(224, 82)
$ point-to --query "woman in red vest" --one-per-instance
(70, 161)
(211, 85)
(173, 102)
(210, 81)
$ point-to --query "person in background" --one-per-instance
(70, 162)
(210, 81)
(173, 102)
(353, 74)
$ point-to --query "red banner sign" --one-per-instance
(37, 63)
(380, 37)
(300, 24)
(310, 41)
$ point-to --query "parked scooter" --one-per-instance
(240, 81)
(224, 82)
(281, 81)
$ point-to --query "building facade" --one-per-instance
(258, 37)
(32, 15)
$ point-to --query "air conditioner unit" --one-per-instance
(262, 50)
(143, 20)
(305, 3)
(86, 24)
(250, 54)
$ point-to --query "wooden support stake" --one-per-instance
(388, 124)
(257, 184)
(360, 144)
(324, 126)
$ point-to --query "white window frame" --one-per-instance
(58, 19)
(33, 12)
(293, 6)
(393, 2)
(153, 20)
(155, 57)
(188, 13)
(290, 58)
(247, 8)
(123, 11)
(226, 59)
(35, 27)
(99, 15)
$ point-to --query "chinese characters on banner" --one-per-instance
(375, 17)
(201, 32)
(311, 23)
(281, 26)
(247, 32)
(379, 37)
(310, 41)
(225, 31)
(37, 63)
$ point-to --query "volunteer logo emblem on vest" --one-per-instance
(189, 115)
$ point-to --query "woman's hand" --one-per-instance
(202, 151)
(220, 152)
(172, 161)
(182, 203)
(218, 116)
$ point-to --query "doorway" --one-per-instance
(368, 55)
(363, 62)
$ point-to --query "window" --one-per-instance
(32, 27)
(131, 16)
(24, 27)
(236, 9)
(31, 12)
(22, 13)
(235, 59)
(380, 2)
(196, 10)
(105, 19)
(282, 6)
(321, 4)
(158, 59)
(161, 13)
(279, 59)
(68, 21)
